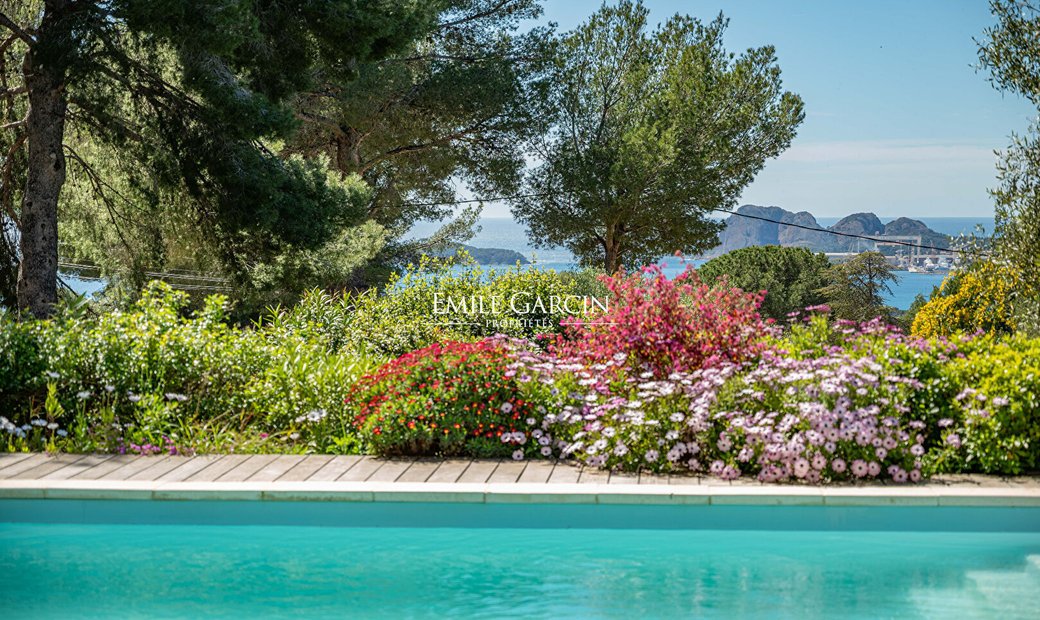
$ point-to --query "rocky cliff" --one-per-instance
(798, 236)
(777, 226)
(907, 226)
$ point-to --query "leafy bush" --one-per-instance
(434, 303)
(454, 398)
(154, 349)
(979, 299)
(675, 376)
(604, 416)
(996, 428)
(157, 374)
(663, 326)
(922, 361)
(830, 418)
(21, 362)
(791, 277)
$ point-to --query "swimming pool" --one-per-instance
(97, 558)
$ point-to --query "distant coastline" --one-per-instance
(506, 233)
(754, 225)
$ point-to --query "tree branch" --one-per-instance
(412, 148)
(8, 23)
(98, 184)
(320, 120)
(14, 124)
(474, 17)
(458, 58)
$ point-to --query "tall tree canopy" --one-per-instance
(192, 93)
(791, 277)
(856, 289)
(451, 107)
(647, 132)
(1011, 52)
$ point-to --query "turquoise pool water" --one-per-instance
(475, 570)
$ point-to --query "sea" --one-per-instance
(506, 233)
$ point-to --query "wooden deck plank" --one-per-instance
(621, 477)
(478, 471)
(449, 470)
(157, 470)
(218, 469)
(154, 463)
(593, 475)
(335, 468)
(419, 471)
(565, 473)
(188, 466)
(247, 468)
(361, 470)
(684, 479)
(391, 470)
(15, 470)
(276, 468)
(652, 478)
(116, 462)
(134, 464)
(10, 458)
(537, 472)
(52, 464)
(80, 466)
(508, 471)
(306, 468)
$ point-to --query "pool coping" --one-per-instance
(525, 493)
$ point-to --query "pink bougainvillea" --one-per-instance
(663, 326)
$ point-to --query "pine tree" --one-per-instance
(193, 92)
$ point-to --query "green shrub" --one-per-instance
(414, 311)
(997, 430)
(915, 359)
(303, 391)
(22, 364)
(157, 374)
(154, 350)
(791, 277)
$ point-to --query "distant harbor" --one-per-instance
(505, 233)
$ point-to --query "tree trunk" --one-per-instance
(611, 252)
(45, 130)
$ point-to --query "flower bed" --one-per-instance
(675, 376)
(641, 389)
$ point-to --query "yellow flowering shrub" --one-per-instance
(968, 301)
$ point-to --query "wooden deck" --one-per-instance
(311, 468)
(367, 478)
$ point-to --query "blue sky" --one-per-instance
(898, 121)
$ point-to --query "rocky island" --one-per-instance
(787, 228)
(486, 256)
